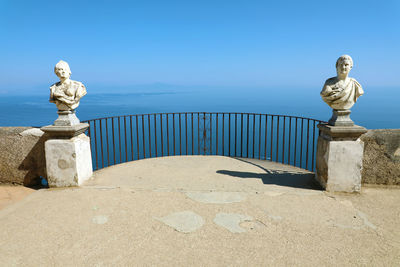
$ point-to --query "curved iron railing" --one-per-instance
(281, 138)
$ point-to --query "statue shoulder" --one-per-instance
(358, 88)
(355, 82)
(54, 85)
(77, 84)
(80, 89)
(331, 81)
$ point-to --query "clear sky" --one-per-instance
(193, 43)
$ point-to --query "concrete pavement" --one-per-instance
(201, 211)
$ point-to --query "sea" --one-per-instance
(378, 108)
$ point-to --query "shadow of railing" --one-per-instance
(290, 178)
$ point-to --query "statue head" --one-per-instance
(344, 64)
(62, 70)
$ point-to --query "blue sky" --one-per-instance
(237, 43)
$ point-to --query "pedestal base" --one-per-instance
(66, 118)
(340, 118)
(68, 161)
(339, 158)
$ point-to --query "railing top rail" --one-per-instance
(204, 112)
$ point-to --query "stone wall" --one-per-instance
(381, 164)
(22, 159)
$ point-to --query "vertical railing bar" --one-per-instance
(126, 142)
(236, 135)
(266, 134)
(162, 136)
(277, 138)
(241, 135)
(108, 147)
(186, 135)
(192, 137)
(130, 120)
(155, 133)
(223, 134)
(254, 132)
(272, 134)
(313, 147)
(167, 134)
(247, 136)
(173, 132)
(308, 141)
(290, 137)
(204, 135)
(216, 132)
(180, 135)
(144, 145)
(301, 144)
(198, 133)
(295, 145)
(229, 135)
(101, 144)
(259, 139)
(137, 137)
(283, 140)
(148, 122)
(119, 139)
(95, 144)
(113, 137)
(211, 136)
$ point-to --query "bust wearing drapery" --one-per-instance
(341, 92)
(66, 93)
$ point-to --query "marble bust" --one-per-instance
(341, 92)
(66, 93)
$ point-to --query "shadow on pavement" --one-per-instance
(278, 177)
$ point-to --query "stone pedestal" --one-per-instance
(339, 157)
(67, 153)
(68, 161)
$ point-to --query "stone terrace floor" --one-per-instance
(201, 211)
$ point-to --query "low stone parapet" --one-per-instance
(381, 164)
(22, 159)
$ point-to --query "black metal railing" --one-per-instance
(286, 139)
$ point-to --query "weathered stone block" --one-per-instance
(339, 165)
(68, 161)
(22, 159)
(381, 157)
